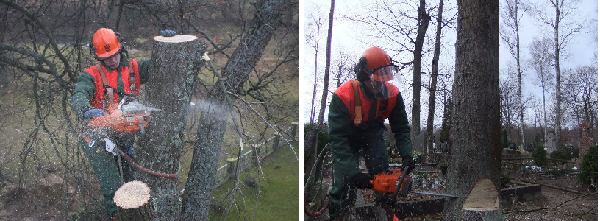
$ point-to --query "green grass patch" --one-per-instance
(278, 198)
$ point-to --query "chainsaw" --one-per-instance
(388, 182)
(126, 117)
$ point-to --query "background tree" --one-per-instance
(580, 94)
(428, 141)
(509, 32)
(423, 24)
(476, 110)
(211, 127)
(313, 39)
(563, 29)
(541, 61)
(509, 102)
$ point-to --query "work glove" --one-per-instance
(167, 33)
(91, 113)
(110, 146)
(408, 162)
(361, 181)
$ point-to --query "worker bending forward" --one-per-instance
(112, 79)
(357, 112)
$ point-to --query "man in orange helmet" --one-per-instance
(357, 112)
(112, 79)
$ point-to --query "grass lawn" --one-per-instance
(278, 198)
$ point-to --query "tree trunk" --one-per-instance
(175, 61)
(519, 77)
(428, 141)
(327, 66)
(416, 111)
(314, 95)
(211, 130)
(557, 126)
(474, 168)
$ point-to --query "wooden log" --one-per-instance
(174, 64)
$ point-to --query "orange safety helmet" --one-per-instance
(106, 43)
(379, 64)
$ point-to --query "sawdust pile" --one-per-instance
(132, 195)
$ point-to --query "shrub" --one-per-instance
(539, 156)
(561, 154)
(504, 179)
(589, 167)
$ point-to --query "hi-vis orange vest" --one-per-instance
(127, 76)
(350, 92)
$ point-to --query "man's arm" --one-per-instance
(400, 128)
(85, 89)
(339, 129)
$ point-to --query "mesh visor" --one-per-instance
(384, 73)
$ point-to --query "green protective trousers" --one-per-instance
(375, 155)
(106, 169)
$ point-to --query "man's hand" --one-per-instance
(91, 113)
(110, 146)
(167, 33)
(408, 163)
(361, 181)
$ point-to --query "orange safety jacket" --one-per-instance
(130, 76)
(350, 92)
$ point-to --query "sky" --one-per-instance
(353, 38)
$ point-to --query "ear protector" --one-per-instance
(361, 70)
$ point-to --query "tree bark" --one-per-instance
(327, 66)
(476, 116)
(212, 125)
(428, 141)
(175, 62)
(423, 22)
(557, 124)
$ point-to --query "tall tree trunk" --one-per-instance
(519, 77)
(544, 106)
(211, 129)
(428, 141)
(423, 22)
(314, 95)
(175, 61)
(327, 66)
(475, 156)
(557, 124)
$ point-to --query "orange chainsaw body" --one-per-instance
(386, 182)
(121, 122)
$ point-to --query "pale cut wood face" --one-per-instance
(175, 39)
(132, 195)
(483, 197)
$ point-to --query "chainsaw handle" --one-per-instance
(405, 171)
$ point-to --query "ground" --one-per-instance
(561, 198)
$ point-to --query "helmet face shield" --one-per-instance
(384, 73)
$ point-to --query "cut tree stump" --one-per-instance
(174, 64)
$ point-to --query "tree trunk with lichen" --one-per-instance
(474, 170)
(175, 63)
(214, 115)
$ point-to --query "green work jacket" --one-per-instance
(342, 129)
(85, 88)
